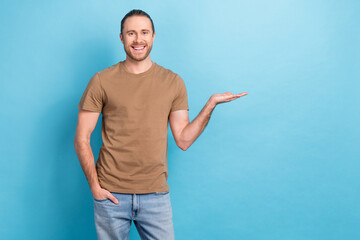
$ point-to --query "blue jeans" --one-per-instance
(151, 213)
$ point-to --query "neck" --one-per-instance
(137, 67)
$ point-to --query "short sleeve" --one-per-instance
(92, 98)
(180, 101)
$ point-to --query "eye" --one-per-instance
(145, 32)
(131, 34)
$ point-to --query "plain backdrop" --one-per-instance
(281, 163)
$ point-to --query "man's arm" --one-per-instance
(86, 123)
(184, 132)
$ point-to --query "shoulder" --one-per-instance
(174, 80)
(109, 71)
(171, 77)
(167, 72)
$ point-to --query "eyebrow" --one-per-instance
(140, 30)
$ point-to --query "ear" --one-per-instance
(121, 38)
(153, 36)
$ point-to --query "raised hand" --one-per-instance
(225, 97)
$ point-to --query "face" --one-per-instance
(137, 37)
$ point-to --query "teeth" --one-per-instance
(138, 48)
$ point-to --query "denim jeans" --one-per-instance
(151, 213)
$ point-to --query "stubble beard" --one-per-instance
(138, 59)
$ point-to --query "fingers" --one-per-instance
(241, 94)
(229, 98)
(235, 96)
(114, 199)
(226, 97)
(229, 94)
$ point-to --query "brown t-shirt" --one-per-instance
(135, 110)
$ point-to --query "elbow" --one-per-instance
(183, 141)
(76, 140)
(78, 143)
(183, 146)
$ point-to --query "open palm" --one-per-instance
(226, 97)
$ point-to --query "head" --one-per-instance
(137, 34)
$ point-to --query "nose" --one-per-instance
(138, 38)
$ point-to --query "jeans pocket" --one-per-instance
(100, 200)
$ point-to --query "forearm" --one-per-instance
(86, 159)
(193, 130)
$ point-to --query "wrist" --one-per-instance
(95, 188)
(211, 103)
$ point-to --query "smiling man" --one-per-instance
(137, 99)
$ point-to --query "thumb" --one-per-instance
(227, 93)
(114, 199)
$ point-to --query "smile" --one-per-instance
(138, 49)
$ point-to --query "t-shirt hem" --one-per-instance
(176, 109)
(89, 109)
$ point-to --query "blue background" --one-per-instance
(280, 163)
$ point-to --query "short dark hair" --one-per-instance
(136, 12)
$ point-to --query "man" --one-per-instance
(137, 98)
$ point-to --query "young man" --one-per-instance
(137, 98)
